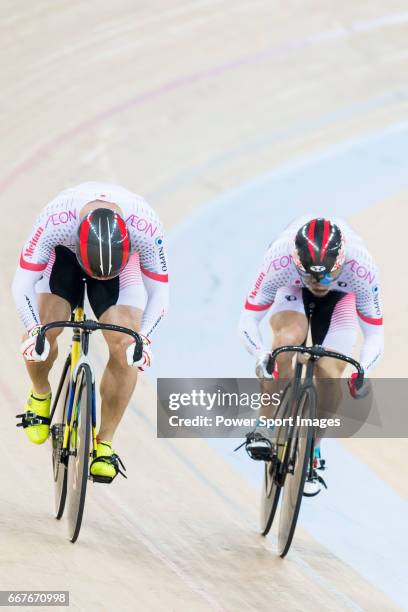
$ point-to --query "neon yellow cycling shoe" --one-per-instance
(35, 419)
(106, 465)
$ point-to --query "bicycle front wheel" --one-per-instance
(79, 450)
(299, 457)
(59, 464)
(271, 489)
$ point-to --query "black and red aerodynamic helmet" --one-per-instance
(103, 245)
(319, 249)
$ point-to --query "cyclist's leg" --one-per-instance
(118, 380)
(58, 292)
(51, 308)
(119, 301)
(289, 325)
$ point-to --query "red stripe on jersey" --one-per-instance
(310, 238)
(31, 266)
(83, 244)
(257, 307)
(325, 244)
(370, 319)
(163, 278)
(125, 237)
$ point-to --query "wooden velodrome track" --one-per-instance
(172, 100)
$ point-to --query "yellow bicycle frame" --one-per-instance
(75, 356)
(76, 340)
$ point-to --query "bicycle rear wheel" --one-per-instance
(80, 441)
(271, 489)
(299, 457)
(59, 416)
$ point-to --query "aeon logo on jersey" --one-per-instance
(29, 251)
(60, 218)
(142, 225)
(360, 271)
(258, 283)
(281, 263)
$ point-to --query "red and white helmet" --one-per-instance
(103, 245)
(319, 249)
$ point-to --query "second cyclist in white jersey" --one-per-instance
(323, 261)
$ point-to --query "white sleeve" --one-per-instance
(370, 312)
(259, 300)
(25, 298)
(33, 261)
(157, 304)
(148, 240)
(248, 331)
(373, 346)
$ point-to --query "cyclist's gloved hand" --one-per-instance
(146, 359)
(358, 393)
(27, 348)
(261, 367)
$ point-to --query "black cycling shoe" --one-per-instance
(257, 446)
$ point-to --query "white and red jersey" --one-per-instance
(359, 276)
(57, 225)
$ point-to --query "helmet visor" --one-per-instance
(325, 278)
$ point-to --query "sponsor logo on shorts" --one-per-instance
(291, 298)
(342, 284)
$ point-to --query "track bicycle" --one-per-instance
(293, 445)
(73, 417)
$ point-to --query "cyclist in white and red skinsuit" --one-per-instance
(345, 296)
(48, 282)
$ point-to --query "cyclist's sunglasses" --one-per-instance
(322, 279)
